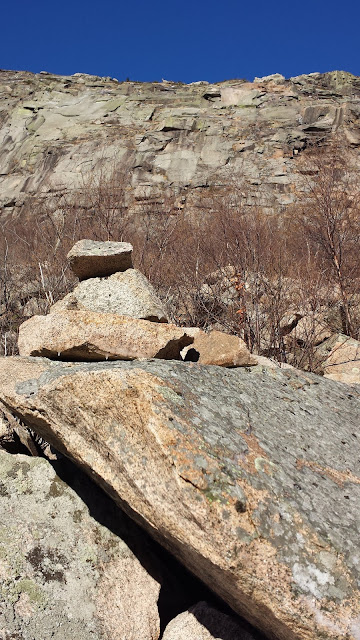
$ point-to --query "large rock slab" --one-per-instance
(92, 259)
(128, 294)
(248, 476)
(203, 622)
(86, 335)
(63, 574)
(339, 358)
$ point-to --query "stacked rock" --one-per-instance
(115, 314)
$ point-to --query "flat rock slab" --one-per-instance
(83, 335)
(127, 294)
(249, 476)
(92, 259)
(63, 574)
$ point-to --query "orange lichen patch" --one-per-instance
(255, 451)
(253, 496)
(278, 153)
(266, 571)
(300, 382)
(188, 472)
(314, 542)
(339, 477)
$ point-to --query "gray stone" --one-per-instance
(63, 574)
(244, 96)
(276, 78)
(248, 476)
(39, 112)
(127, 293)
(92, 259)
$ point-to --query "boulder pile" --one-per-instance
(245, 476)
(114, 313)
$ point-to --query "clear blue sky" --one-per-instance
(188, 40)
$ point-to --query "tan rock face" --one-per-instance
(83, 335)
(339, 359)
(202, 622)
(220, 349)
(248, 476)
(128, 294)
(91, 259)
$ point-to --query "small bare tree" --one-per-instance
(330, 219)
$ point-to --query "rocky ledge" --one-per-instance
(54, 130)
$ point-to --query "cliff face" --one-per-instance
(55, 130)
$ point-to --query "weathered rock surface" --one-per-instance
(128, 293)
(54, 130)
(92, 259)
(63, 575)
(339, 359)
(268, 363)
(218, 348)
(249, 476)
(6, 432)
(202, 622)
(86, 335)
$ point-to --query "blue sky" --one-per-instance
(187, 41)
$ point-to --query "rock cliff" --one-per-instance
(54, 130)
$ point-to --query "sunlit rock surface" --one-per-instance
(56, 130)
(249, 477)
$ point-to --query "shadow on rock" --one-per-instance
(180, 590)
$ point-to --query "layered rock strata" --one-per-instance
(55, 131)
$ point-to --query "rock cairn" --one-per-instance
(114, 313)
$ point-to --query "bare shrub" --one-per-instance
(329, 223)
(282, 283)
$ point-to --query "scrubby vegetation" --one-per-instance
(282, 282)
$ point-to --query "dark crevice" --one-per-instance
(192, 355)
(179, 588)
(14, 446)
